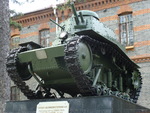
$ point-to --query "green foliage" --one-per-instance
(67, 4)
(15, 24)
(19, 1)
(15, 15)
(81, 0)
(64, 6)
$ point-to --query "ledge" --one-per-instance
(99, 104)
(141, 58)
(129, 47)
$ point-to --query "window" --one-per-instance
(126, 29)
(45, 37)
(15, 93)
(15, 40)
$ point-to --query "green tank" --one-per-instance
(84, 60)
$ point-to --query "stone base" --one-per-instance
(102, 104)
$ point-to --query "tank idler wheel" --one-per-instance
(103, 51)
(85, 57)
(22, 68)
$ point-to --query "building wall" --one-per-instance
(142, 46)
(108, 12)
(140, 50)
(31, 33)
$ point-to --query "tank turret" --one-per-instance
(84, 59)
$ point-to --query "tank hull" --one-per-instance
(48, 64)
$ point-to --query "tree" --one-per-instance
(15, 14)
(4, 48)
(14, 23)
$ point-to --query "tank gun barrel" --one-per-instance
(57, 24)
(75, 13)
(81, 16)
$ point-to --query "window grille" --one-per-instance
(126, 29)
(45, 37)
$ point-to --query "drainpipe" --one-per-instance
(55, 13)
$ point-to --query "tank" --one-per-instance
(84, 60)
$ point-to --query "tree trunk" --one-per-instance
(4, 48)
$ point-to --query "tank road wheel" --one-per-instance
(85, 59)
(136, 80)
(137, 84)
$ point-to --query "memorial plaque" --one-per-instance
(53, 107)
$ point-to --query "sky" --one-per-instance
(33, 6)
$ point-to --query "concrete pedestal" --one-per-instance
(102, 104)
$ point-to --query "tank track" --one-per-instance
(73, 65)
(14, 75)
(83, 83)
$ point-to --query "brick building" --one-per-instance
(129, 19)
